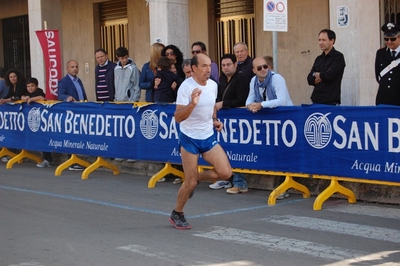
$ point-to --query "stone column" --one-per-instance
(40, 11)
(358, 40)
(169, 23)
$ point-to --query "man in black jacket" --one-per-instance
(387, 69)
(234, 85)
(232, 92)
(327, 72)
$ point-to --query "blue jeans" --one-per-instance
(239, 180)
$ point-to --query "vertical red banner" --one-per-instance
(50, 42)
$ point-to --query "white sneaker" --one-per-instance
(131, 160)
(44, 164)
(5, 159)
(283, 195)
(221, 184)
(177, 181)
(161, 180)
(119, 159)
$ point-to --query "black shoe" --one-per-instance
(76, 167)
(192, 192)
(179, 221)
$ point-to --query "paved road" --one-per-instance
(116, 220)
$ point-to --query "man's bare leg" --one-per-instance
(190, 168)
(222, 168)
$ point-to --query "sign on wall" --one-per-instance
(275, 15)
(342, 16)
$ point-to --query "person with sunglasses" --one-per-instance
(327, 71)
(387, 69)
(200, 48)
(172, 52)
(267, 88)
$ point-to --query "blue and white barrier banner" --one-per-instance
(359, 142)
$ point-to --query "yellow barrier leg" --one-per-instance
(168, 169)
(287, 184)
(100, 162)
(73, 160)
(333, 188)
(20, 156)
(6, 152)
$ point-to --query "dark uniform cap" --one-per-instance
(390, 29)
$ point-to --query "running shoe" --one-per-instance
(44, 164)
(221, 184)
(178, 220)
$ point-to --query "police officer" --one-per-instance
(387, 68)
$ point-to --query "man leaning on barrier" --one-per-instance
(70, 89)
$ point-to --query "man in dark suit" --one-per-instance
(387, 69)
(70, 87)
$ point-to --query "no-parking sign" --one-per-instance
(275, 15)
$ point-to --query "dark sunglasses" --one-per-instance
(196, 52)
(391, 39)
(261, 67)
(170, 53)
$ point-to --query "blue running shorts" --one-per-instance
(196, 146)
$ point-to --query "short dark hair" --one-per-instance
(121, 52)
(229, 56)
(331, 34)
(32, 80)
(194, 61)
(164, 63)
(186, 62)
(201, 44)
(100, 50)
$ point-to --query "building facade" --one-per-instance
(86, 25)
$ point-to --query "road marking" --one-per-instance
(372, 232)
(142, 250)
(68, 197)
(27, 264)
(370, 259)
(132, 208)
(390, 213)
(271, 242)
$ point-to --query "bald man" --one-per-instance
(70, 87)
(197, 115)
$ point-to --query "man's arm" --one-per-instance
(251, 98)
(135, 80)
(182, 112)
(336, 68)
(377, 67)
(311, 76)
(216, 123)
(63, 91)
